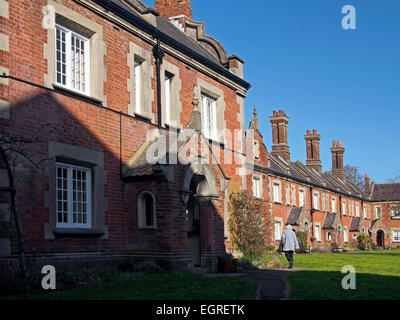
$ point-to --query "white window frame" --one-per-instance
(333, 204)
(301, 198)
(396, 235)
(323, 203)
(256, 187)
(357, 210)
(209, 129)
(142, 212)
(376, 213)
(293, 188)
(277, 192)
(345, 235)
(344, 208)
(316, 200)
(278, 230)
(168, 78)
(70, 201)
(68, 60)
(138, 85)
(317, 232)
(365, 212)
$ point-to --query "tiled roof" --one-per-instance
(293, 216)
(329, 220)
(300, 172)
(386, 192)
(354, 224)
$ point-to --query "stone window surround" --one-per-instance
(287, 193)
(146, 91)
(277, 182)
(175, 96)
(344, 208)
(304, 197)
(92, 30)
(317, 194)
(278, 220)
(259, 177)
(327, 235)
(345, 233)
(334, 209)
(375, 215)
(392, 231)
(141, 214)
(323, 202)
(293, 196)
(60, 152)
(319, 228)
(203, 87)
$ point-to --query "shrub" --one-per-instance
(248, 223)
(302, 239)
(364, 242)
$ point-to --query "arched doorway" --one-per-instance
(199, 190)
(380, 238)
(193, 220)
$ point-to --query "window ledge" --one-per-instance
(143, 116)
(78, 232)
(147, 228)
(76, 94)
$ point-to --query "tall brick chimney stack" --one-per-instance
(337, 160)
(312, 145)
(367, 183)
(280, 146)
(173, 8)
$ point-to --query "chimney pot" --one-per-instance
(275, 113)
(334, 143)
(281, 112)
(315, 131)
(308, 132)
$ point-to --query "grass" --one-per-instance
(377, 276)
(160, 286)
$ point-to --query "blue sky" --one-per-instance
(344, 83)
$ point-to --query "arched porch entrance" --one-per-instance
(199, 191)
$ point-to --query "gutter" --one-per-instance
(155, 32)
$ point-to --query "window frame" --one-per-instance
(206, 116)
(256, 187)
(316, 200)
(70, 190)
(142, 213)
(278, 192)
(394, 235)
(278, 231)
(68, 58)
(301, 198)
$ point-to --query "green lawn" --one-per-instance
(377, 276)
(161, 286)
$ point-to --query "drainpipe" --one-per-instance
(158, 54)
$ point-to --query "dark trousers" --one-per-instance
(289, 257)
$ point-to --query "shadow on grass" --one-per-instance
(327, 285)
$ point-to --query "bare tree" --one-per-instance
(14, 151)
(352, 173)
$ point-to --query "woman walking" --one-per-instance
(290, 242)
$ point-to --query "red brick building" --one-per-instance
(331, 209)
(120, 82)
(136, 117)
